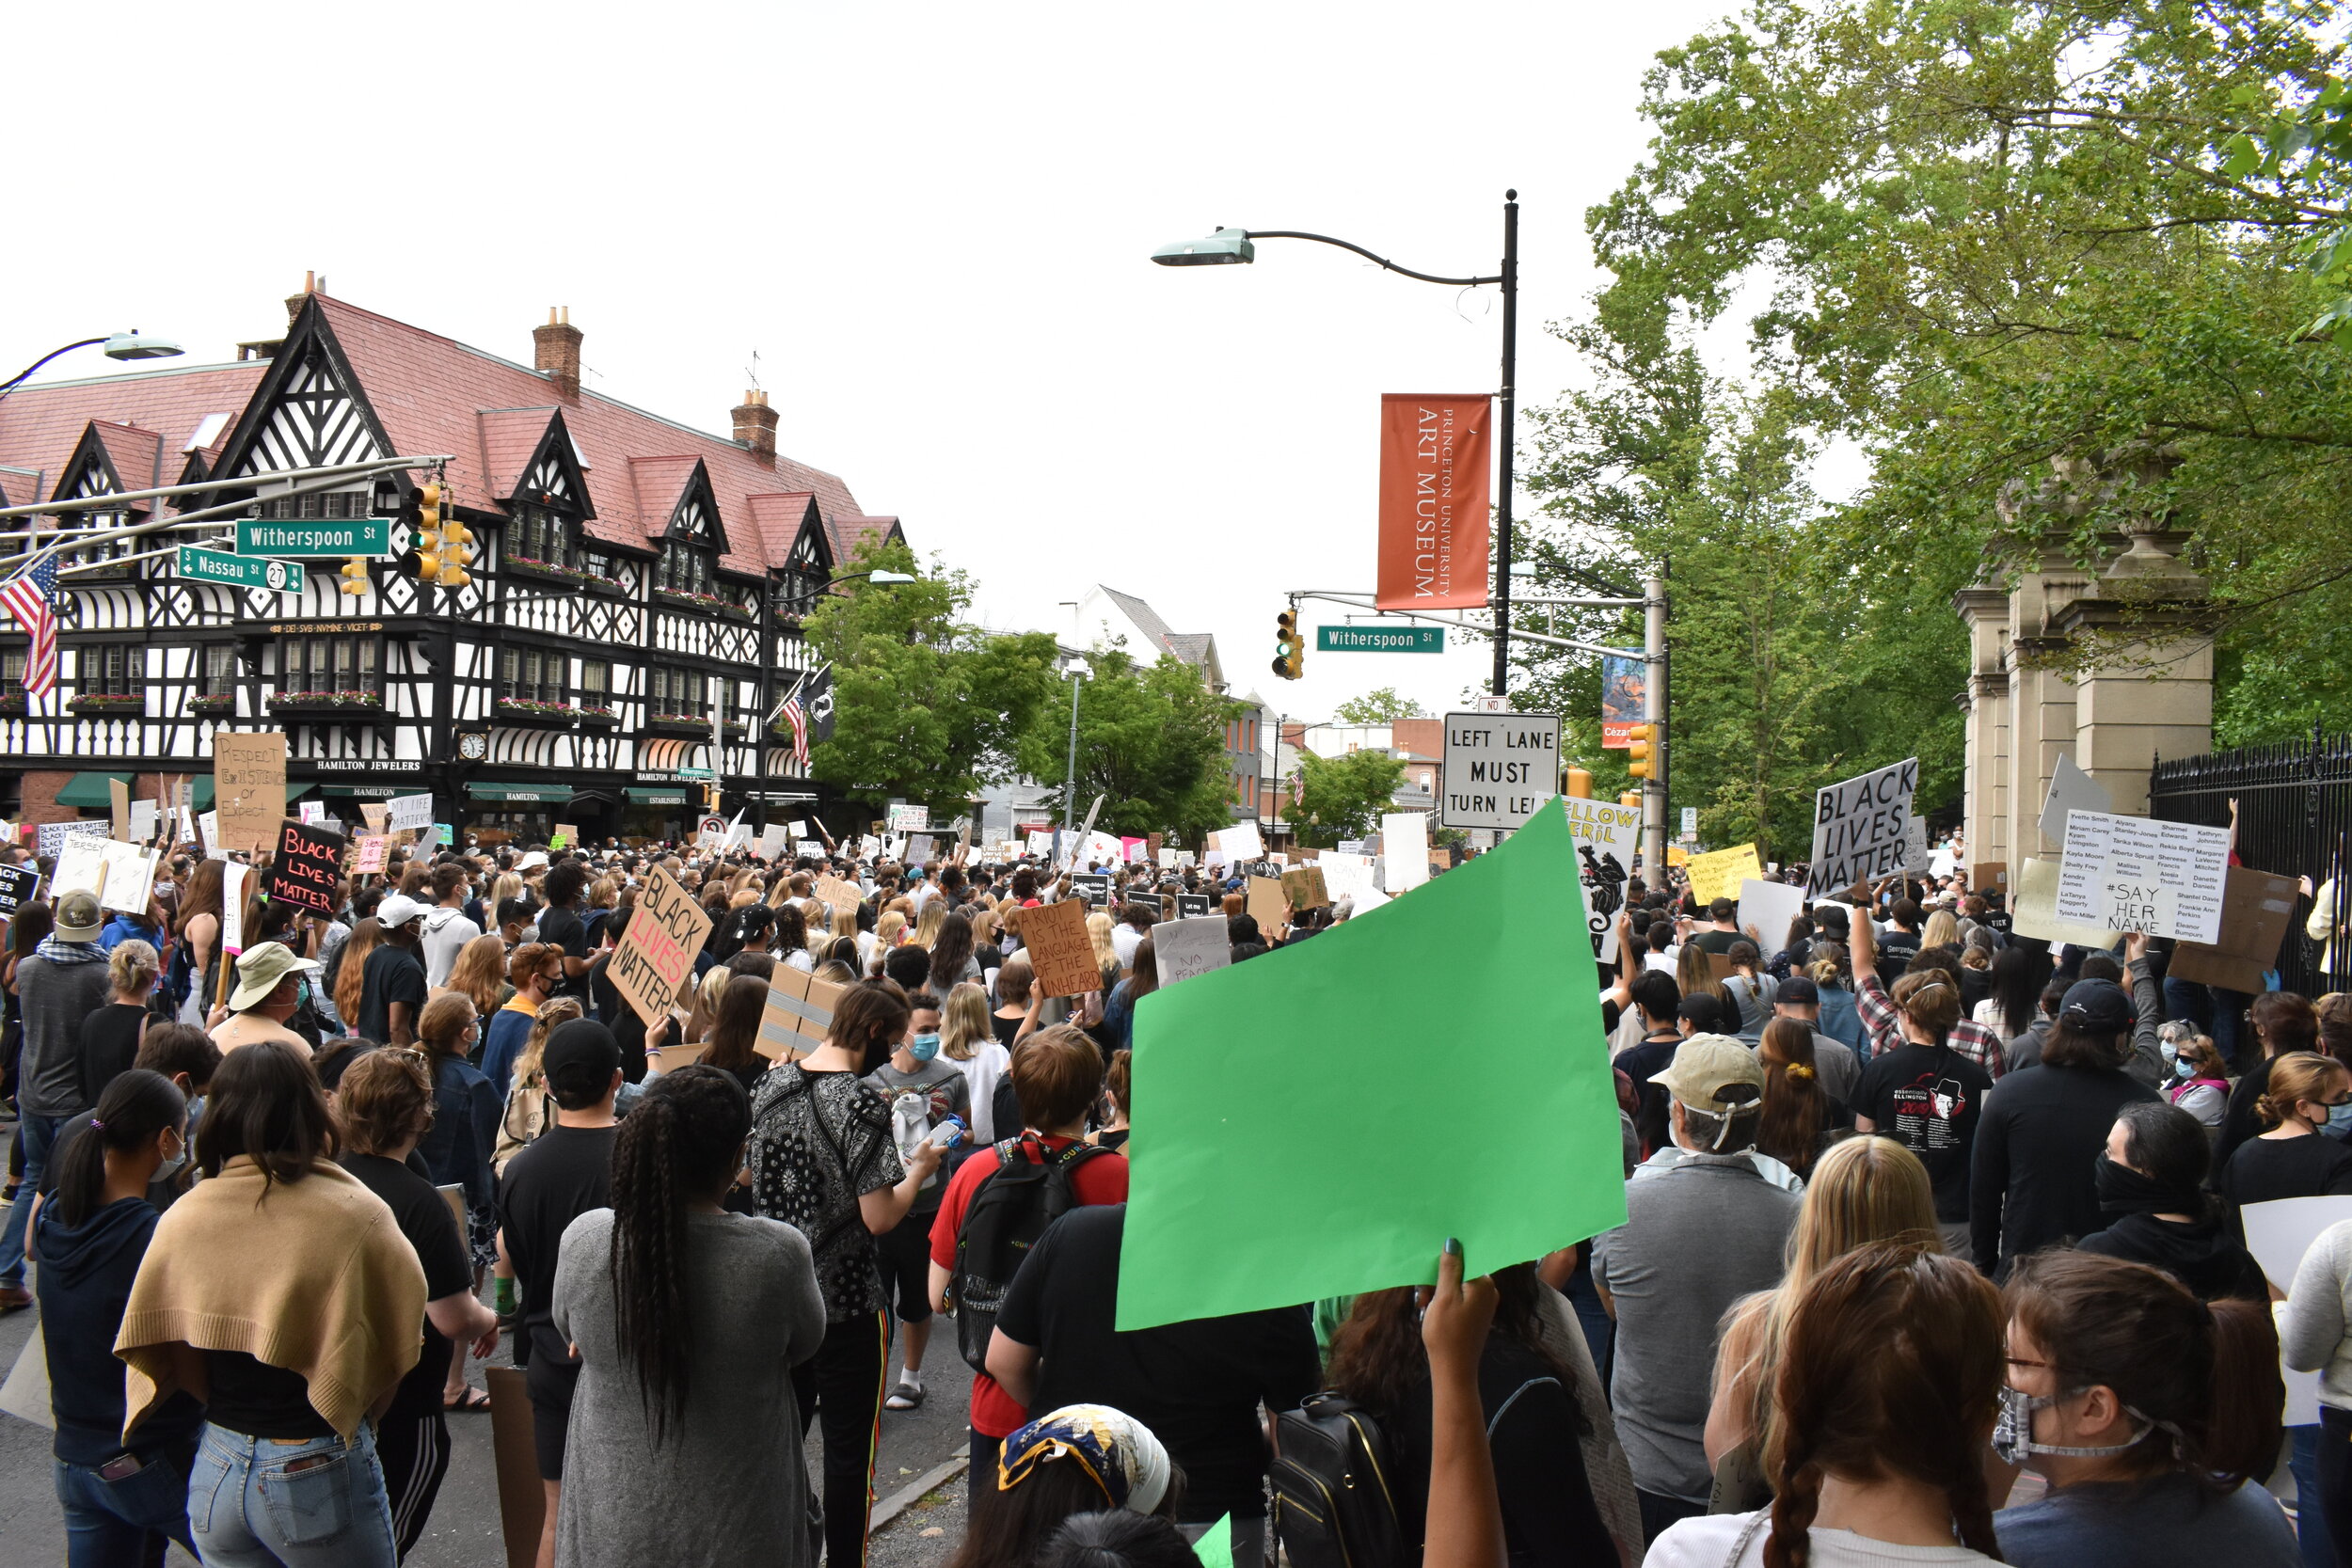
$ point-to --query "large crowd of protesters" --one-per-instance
(1933, 1251)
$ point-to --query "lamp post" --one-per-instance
(1079, 674)
(1233, 247)
(120, 345)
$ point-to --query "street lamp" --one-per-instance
(1233, 246)
(121, 345)
(1079, 674)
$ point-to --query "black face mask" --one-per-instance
(2125, 1191)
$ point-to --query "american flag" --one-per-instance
(797, 717)
(31, 597)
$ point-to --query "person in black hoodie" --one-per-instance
(90, 1235)
(2152, 1187)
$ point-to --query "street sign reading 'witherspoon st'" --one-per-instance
(314, 537)
(207, 565)
(1380, 639)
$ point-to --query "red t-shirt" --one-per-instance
(1100, 1180)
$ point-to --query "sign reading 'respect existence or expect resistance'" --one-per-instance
(1499, 768)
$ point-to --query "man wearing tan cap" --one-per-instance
(1704, 1226)
(268, 982)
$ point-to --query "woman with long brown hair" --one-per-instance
(2282, 1023)
(351, 971)
(735, 1031)
(1883, 1403)
(197, 928)
(479, 973)
(1799, 1113)
(2152, 1416)
(1536, 1426)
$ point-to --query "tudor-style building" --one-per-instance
(631, 576)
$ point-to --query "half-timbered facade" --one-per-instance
(633, 614)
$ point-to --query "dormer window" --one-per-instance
(684, 569)
(542, 535)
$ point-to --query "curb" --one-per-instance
(887, 1511)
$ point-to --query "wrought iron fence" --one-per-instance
(2295, 818)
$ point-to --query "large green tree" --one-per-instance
(1383, 705)
(1151, 741)
(928, 705)
(1343, 797)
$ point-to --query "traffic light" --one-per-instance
(1641, 753)
(1631, 800)
(354, 576)
(1290, 652)
(1579, 784)
(421, 560)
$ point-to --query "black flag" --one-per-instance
(817, 699)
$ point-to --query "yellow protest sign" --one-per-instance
(1718, 873)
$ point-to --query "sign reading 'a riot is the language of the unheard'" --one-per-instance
(1499, 768)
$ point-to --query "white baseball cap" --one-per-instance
(399, 909)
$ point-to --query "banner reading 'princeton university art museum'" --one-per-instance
(1433, 492)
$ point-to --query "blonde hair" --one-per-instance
(508, 885)
(1099, 928)
(926, 925)
(965, 1023)
(555, 1010)
(886, 931)
(132, 967)
(1943, 930)
(983, 918)
(604, 895)
(480, 972)
(1863, 1190)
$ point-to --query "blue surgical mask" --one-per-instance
(923, 1047)
(2340, 1117)
(2169, 1050)
(173, 1164)
(2184, 1068)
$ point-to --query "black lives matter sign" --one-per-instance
(307, 870)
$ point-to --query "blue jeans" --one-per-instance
(37, 1135)
(2214, 1011)
(124, 1524)
(247, 1511)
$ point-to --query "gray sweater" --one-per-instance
(727, 1486)
(2315, 1325)
(54, 995)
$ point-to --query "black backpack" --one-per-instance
(1025, 1193)
(1333, 1506)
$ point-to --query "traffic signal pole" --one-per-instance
(1654, 716)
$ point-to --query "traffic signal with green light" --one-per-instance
(1290, 651)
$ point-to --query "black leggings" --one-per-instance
(843, 1382)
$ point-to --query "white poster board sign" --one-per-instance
(130, 877)
(409, 811)
(2033, 912)
(1607, 837)
(1768, 907)
(1240, 842)
(1861, 827)
(2136, 874)
(907, 819)
(53, 836)
(1345, 876)
(1184, 948)
(81, 865)
(1405, 850)
(2071, 790)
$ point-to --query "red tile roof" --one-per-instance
(19, 487)
(40, 424)
(778, 518)
(848, 534)
(509, 437)
(429, 392)
(135, 453)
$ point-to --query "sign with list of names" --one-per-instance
(2136, 874)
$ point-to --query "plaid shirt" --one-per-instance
(1970, 1038)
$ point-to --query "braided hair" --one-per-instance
(1892, 1368)
(681, 1142)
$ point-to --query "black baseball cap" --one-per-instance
(1798, 991)
(580, 1058)
(2096, 1008)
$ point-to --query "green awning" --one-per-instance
(657, 797)
(369, 792)
(298, 788)
(90, 790)
(200, 798)
(522, 794)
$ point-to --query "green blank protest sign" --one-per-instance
(1316, 1121)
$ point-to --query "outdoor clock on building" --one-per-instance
(472, 746)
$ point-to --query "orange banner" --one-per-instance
(1433, 490)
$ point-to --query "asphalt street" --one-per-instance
(464, 1530)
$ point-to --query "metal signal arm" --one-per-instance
(1364, 602)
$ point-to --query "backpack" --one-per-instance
(1332, 1472)
(1025, 1193)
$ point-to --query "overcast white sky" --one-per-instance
(931, 221)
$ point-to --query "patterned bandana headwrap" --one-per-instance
(1114, 1448)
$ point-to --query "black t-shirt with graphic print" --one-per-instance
(820, 1142)
(1928, 1098)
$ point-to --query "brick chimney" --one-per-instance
(295, 302)
(555, 352)
(755, 426)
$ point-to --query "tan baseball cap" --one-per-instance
(1715, 1074)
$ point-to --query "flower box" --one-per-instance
(359, 704)
(709, 604)
(677, 724)
(15, 701)
(526, 710)
(108, 701)
(599, 717)
(213, 705)
(548, 571)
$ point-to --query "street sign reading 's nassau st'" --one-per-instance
(204, 565)
(314, 537)
(1380, 639)
(1499, 768)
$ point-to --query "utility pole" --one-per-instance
(1654, 714)
(1077, 673)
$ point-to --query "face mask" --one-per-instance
(302, 994)
(173, 1164)
(2340, 1117)
(923, 1047)
(2125, 1191)
(2012, 1431)
(2184, 1068)
(2169, 1050)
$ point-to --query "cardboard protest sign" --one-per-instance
(17, 885)
(1092, 886)
(1055, 936)
(53, 835)
(2256, 911)
(2136, 874)
(81, 864)
(657, 952)
(1405, 846)
(1769, 907)
(2071, 790)
(1303, 886)
(1608, 836)
(2033, 912)
(1267, 906)
(1861, 827)
(409, 811)
(371, 851)
(1240, 842)
(1191, 904)
(119, 806)
(1718, 873)
(1295, 1020)
(249, 782)
(842, 898)
(130, 877)
(799, 1013)
(308, 869)
(1184, 948)
(564, 837)
(146, 821)
(373, 814)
